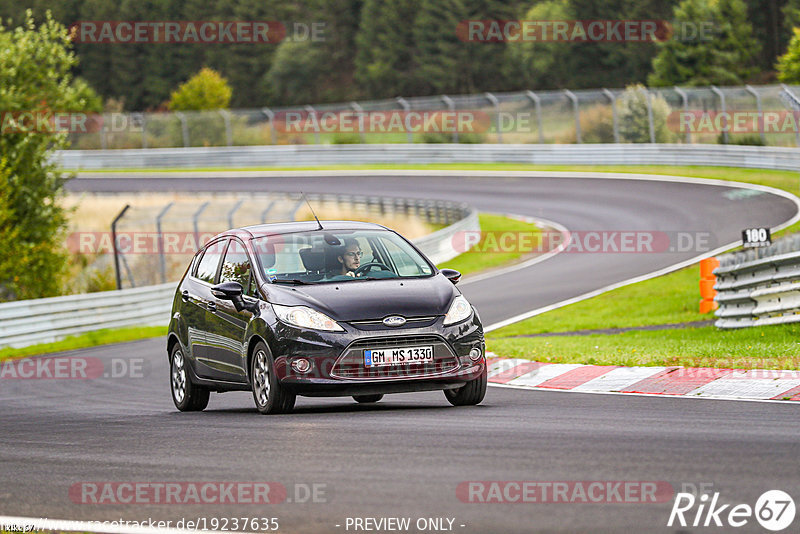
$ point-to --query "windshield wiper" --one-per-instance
(292, 281)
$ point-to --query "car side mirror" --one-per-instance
(452, 275)
(231, 291)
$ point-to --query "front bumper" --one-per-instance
(337, 358)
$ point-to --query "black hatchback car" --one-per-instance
(321, 309)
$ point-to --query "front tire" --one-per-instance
(469, 394)
(187, 396)
(270, 397)
(367, 399)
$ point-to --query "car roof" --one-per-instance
(261, 230)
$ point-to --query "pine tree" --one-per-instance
(441, 58)
(725, 58)
(385, 40)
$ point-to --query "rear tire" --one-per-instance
(469, 394)
(270, 397)
(187, 396)
(367, 399)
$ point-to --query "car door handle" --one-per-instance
(211, 306)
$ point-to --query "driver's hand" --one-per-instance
(351, 273)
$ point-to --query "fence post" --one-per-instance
(575, 106)
(685, 104)
(195, 217)
(721, 96)
(184, 127)
(750, 89)
(452, 107)
(162, 259)
(537, 102)
(493, 99)
(406, 108)
(793, 103)
(119, 216)
(143, 118)
(613, 99)
(648, 98)
(311, 110)
(233, 211)
(358, 109)
(271, 116)
(266, 211)
(226, 116)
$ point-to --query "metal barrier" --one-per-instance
(759, 286)
(28, 322)
(316, 155)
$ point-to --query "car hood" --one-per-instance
(370, 299)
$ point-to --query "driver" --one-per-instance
(350, 259)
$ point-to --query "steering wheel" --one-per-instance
(368, 267)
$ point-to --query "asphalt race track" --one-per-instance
(406, 456)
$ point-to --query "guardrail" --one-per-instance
(782, 158)
(759, 286)
(28, 322)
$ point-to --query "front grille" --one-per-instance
(351, 363)
(411, 322)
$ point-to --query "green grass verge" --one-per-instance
(487, 254)
(672, 298)
(749, 348)
(89, 339)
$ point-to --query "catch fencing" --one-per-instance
(634, 115)
(35, 321)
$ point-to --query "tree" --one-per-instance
(543, 64)
(385, 57)
(443, 64)
(724, 59)
(296, 71)
(35, 66)
(206, 90)
(789, 64)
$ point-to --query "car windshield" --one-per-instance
(338, 256)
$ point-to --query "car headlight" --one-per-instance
(459, 310)
(305, 317)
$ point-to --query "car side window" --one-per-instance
(207, 268)
(236, 266)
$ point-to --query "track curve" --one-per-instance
(406, 455)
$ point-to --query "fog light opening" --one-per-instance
(475, 354)
(301, 365)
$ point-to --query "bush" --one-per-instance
(206, 90)
(634, 123)
(789, 64)
(466, 138)
(35, 67)
(750, 139)
(597, 124)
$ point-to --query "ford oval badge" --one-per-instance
(394, 320)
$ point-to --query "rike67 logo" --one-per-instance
(774, 510)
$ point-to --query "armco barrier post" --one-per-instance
(707, 282)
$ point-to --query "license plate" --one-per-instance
(400, 356)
